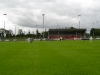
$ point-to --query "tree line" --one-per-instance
(21, 33)
(95, 32)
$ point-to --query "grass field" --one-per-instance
(50, 58)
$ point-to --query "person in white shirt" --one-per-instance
(28, 40)
(91, 39)
(74, 38)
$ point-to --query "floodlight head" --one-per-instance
(4, 14)
(79, 15)
(43, 14)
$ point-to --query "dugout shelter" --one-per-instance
(66, 33)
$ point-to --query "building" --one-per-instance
(66, 33)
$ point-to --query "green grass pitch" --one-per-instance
(50, 58)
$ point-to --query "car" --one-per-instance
(85, 39)
(98, 38)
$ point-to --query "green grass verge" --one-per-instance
(50, 58)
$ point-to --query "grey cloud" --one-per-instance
(28, 13)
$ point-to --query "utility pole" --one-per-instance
(43, 25)
(79, 21)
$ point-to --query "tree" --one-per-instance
(5, 33)
(87, 35)
(95, 32)
(92, 32)
(46, 34)
(72, 28)
(20, 31)
(38, 34)
(65, 27)
(28, 32)
(10, 32)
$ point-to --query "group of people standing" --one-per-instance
(76, 38)
(30, 40)
(84, 39)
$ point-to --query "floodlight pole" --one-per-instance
(58, 30)
(43, 25)
(79, 21)
(4, 27)
(93, 27)
(15, 31)
(58, 26)
(4, 24)
(36, 31)
(4, 21)
(76, 34)
(48, 34)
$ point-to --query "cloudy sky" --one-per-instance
(26, 14)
